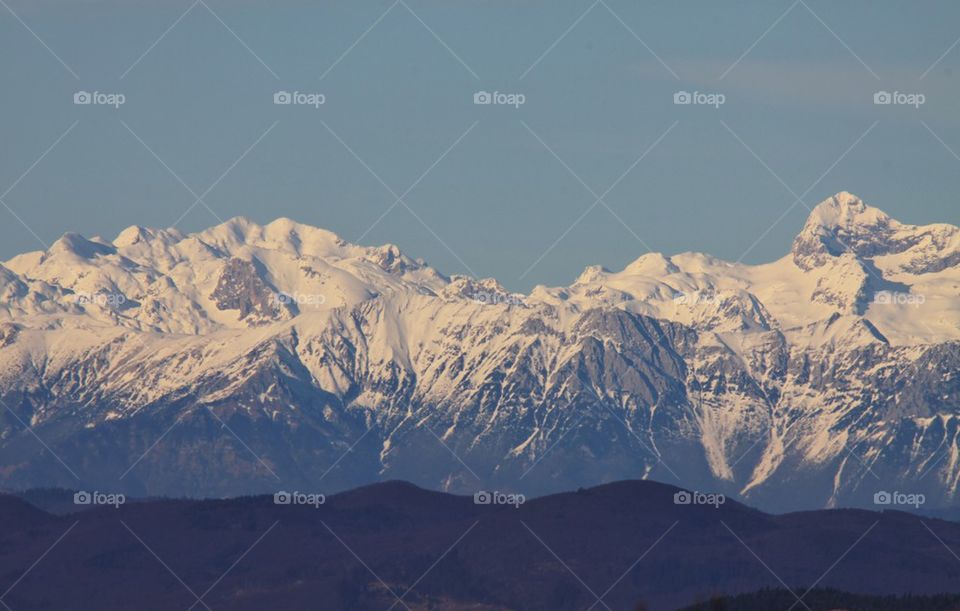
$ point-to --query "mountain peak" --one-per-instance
(74, 244)
(846, 210)
(592, 273)
(240, 226)
(652, 263)
(842, 223)
(845, 224)
(131, 235)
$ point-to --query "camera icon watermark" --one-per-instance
(699, 98)
(485, 497)
(97, 98)
(684, 497)
(497, 98)
(313, 499)
(899, 98)
(83, 497)
(299, 98)
(899, 498)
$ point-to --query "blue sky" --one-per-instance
(494, 187)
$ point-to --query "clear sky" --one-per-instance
(494, 187)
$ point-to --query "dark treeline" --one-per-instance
(825, 599)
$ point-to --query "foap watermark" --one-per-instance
(899, 498)
(899, 98)
(498, 98)
(699, 98)
(684, 497)
(696, 298)
(313, 499)
(299, 98)
(495, 497)
(315, 299)
(489, 298)
(99, 498)
(99, 98)
(898, 298)
(110, 300)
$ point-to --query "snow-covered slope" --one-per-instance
(247, 358)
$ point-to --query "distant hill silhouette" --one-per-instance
(408, 538)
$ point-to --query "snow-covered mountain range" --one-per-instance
(250, 358)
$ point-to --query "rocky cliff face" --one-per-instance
(249, 359)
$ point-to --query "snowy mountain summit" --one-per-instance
(250, 358)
